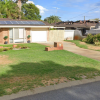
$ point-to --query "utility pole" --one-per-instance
(84, 18)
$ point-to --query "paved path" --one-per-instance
(89, 91)
(80, 51)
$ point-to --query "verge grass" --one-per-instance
(35, 67)
(77, 42)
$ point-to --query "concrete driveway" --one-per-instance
(80, 51)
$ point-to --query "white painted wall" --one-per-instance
(69, 35)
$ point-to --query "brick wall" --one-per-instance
(27, 32)
(1, 36)
(4, 32)
(56, 35)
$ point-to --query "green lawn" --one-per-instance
(77, 42)
(34, 67)
(85, 45)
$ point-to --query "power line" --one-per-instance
(84, 13)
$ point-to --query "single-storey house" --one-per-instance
(18, 30)
(94, 31)
(82, 26)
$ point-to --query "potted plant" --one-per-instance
(5, 38)
(28, 37)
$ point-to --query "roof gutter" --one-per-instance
(27, 26)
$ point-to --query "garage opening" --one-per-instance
(39, 36)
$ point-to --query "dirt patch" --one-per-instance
(4, 60)
(94, 47)
(82, 43)
(8, 90)
(15, 79)
(56, 81)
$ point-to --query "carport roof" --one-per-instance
(74, 26)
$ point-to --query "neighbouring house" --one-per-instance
(82, 26)
(76, 30)
(94, 31)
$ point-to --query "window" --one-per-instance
(21, 33)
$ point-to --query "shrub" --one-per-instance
(97, 43)
(18, 46)
(28, 36)
(5, 49)
(84, 40)
(5, 37)
(90, 39)
(10, 48)
(1, 49)
(23, 47)
(96, 38)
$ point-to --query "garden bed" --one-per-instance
(14, 47)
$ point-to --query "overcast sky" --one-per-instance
(69, 9)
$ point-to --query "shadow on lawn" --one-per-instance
(42, 70)
(47, 68)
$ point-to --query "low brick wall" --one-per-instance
(56, 35)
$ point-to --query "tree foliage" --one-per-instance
(52, 19)
(9, 9)
(31, 12)
(22, 1)
(97, 19)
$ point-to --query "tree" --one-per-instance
(97, 19)
(52, 19)
(1, 9)
(9, 9)
(31, 12)
(22, 1)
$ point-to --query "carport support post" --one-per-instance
(24, 35)
(13, 35)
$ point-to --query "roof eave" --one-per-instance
(26, 26)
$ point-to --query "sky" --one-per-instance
(72, 10)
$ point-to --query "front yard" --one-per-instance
(29, 68)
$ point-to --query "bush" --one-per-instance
(28, 36)
(97, 43)
(6, 37)
(24, 47)
(96, 38)
(5, 49)
(84, 40)
(90, 39)
(1, 49)
(10, 48)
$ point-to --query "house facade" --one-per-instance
(18, 30)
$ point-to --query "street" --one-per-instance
(90, 91)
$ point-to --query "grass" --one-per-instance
(77, 42)
(85, 46)
(35, 67)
